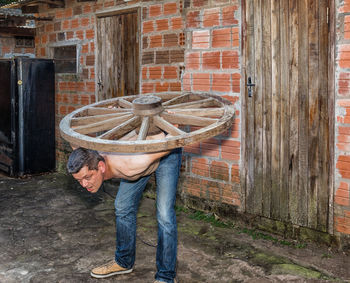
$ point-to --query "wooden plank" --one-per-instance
(294, 192)
(267, 108)
(325, 111)
(124, 103)
(313, 114)
(249, 106)
(285, 67)
(258, 109)
(331, 108)
(276, 110)
(303, 112)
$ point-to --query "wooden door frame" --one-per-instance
(331, 108)
(115, 12)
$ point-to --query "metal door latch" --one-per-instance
(250, 85)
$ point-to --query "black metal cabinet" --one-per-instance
(27, 116)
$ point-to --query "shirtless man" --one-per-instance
(91, 168)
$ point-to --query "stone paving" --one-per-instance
(52, 230)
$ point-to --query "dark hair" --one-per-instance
(81, 157)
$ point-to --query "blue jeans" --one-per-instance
(126, 206)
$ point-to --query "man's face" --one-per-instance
(90, 179)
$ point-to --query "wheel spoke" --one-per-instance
(129, 136)
(200, 112)
(122, 129)
(188, 120)
(166, 126)
(102, 125)
(199, 104)
(179, 99)
(144, 128)
(102, 110)
(80, 121)
(124, 103)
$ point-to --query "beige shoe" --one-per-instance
(157, 281)
(109, 269)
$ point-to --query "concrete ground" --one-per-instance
(51, 230)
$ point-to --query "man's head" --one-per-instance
(88, 167)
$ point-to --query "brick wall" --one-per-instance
(8, 48)
(212, 65)
(342, 119)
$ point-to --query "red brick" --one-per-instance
(170, 72)
(235, 174)
(175, 86)
(186, 82)
(79, 34)
(344, 56)
(74, 23)
(214, 193)
(342, 194)
(108, 4)
(162, 87)
(344, 84)
(230, 197)
(90, 87)
(59, 14)
(155, 73)
(200, 166)
(85, 22)
(236, 82)
(210, 147)
(49, 28)
(235, 37)
(200, 39)
(162, 24)
(85, 49)
(221, 38)
(170, 40)
(219, 170)
(192, 60)
(90, 34)
(201, 82)
(155, 11)
(147, 88)
(211, 60)
(156, 41)
(211, 17)
(193, 148)
(193, 19)
(147, 26)
(200, 3)
(68, 13)
(228, 15)
(170, 8)
(144, 73)
(342, 224)
(69, 34)
(176, 23)
(87, 9)
(230, 60)
(221, 82)
(230, 149)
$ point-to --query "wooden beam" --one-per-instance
(17, 31)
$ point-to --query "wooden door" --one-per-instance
(287, 137)
(117, 71)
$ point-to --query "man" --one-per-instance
(91, 168)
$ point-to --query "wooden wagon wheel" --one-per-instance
(110, 124)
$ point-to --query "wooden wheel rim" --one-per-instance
(220, 124)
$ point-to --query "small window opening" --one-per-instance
(24, 41)
(65, 59)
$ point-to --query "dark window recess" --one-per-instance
(24, 41)
(65, 59)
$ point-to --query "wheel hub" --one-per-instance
(147, 105)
